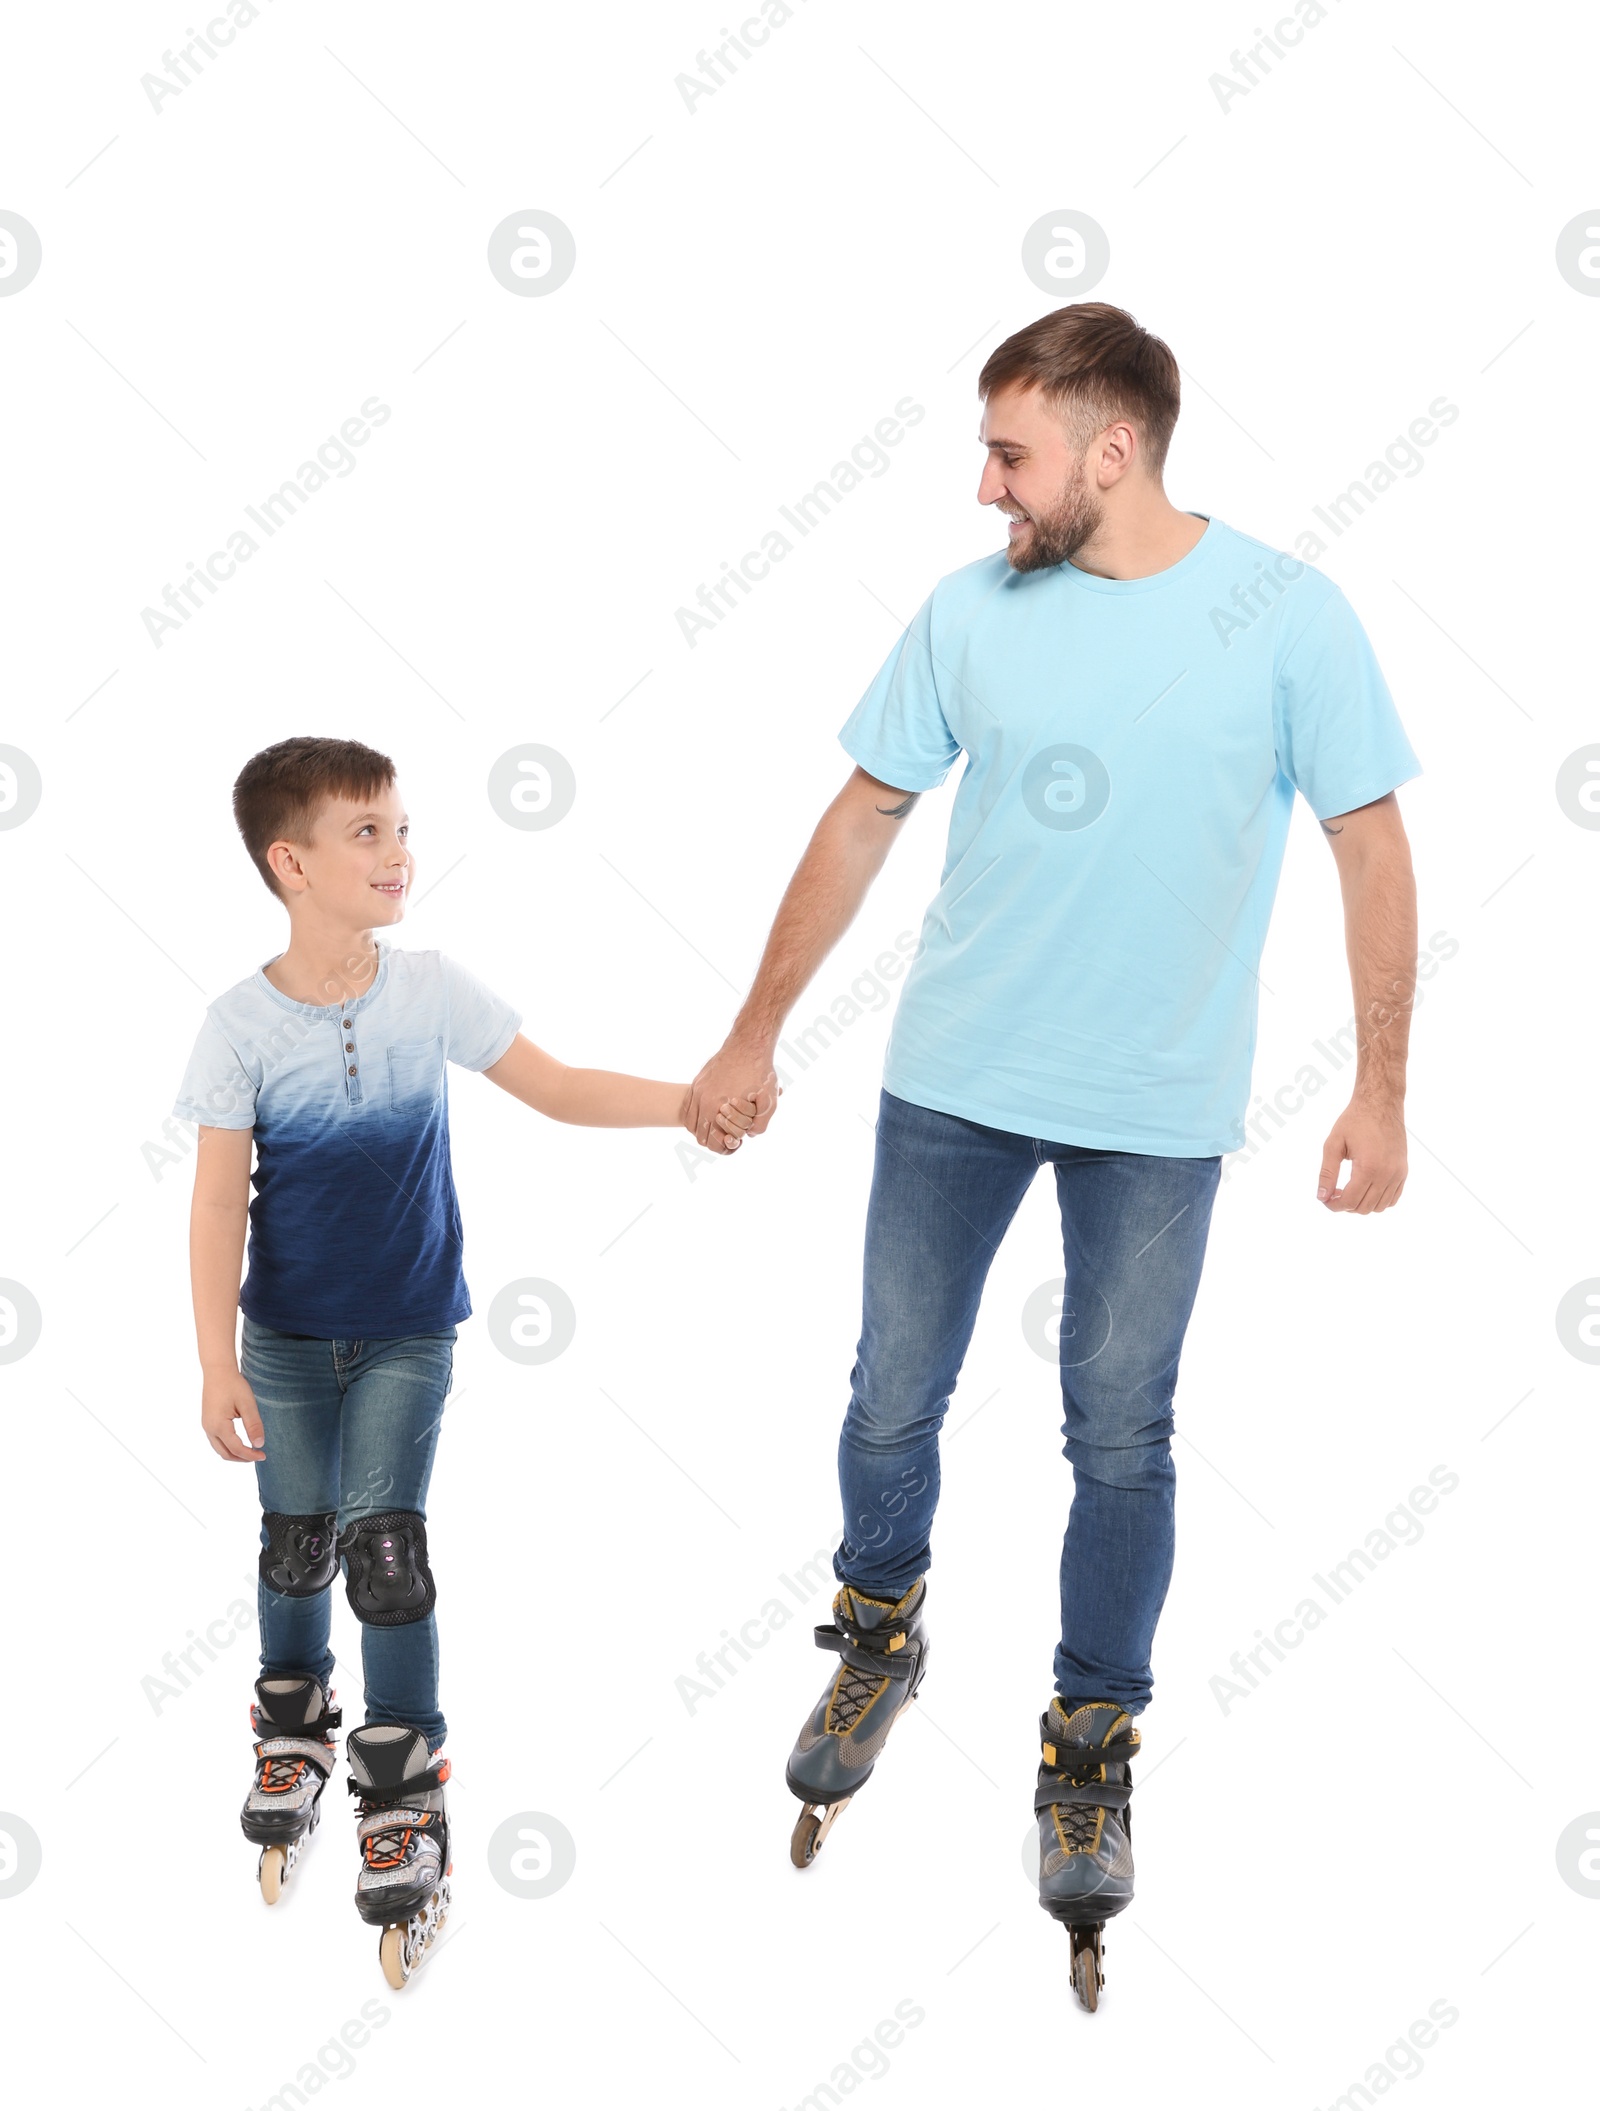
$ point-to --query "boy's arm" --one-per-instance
(218, 1219)
(602, 1099)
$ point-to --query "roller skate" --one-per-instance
(404, 1835)
(885, 1653)
(292, 1718)
(1085, 1827)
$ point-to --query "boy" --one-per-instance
(330, 1060)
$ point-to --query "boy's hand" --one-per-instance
(224, 1398)
(733, 1118)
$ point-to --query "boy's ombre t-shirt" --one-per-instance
(355, 1231)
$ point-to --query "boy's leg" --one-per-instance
(1134, 1238)
(299, 1397)
(943, 1192)
(394, 1398)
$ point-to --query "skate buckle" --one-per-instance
(897, 1641)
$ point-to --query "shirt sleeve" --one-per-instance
(481, 1026)
(1339, 737)
(217, 1090)
(898, 732)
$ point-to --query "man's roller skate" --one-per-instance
(885, 1653)
(293, 1718)
(404, 1834)
(1085, 1827)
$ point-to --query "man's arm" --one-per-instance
(843, 858)
(218, 1217)
(1380, 924)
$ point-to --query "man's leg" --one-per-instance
(1133, 1238)
(943, 1192)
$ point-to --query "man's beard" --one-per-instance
(1061, 533)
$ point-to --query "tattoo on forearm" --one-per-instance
(898, 813)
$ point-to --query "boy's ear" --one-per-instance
(283, 862)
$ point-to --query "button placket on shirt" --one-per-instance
(348, 1056)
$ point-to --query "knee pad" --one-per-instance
(387, 1578)
(301, 1557)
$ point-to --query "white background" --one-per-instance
(1374, 1828)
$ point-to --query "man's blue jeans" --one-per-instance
(350, 1426)
(1134, 1236)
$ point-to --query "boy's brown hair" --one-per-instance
(1094, 364)
(279, 793)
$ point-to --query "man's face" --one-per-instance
(357, 866)
(1036, 480)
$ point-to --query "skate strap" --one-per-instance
(329, 1719)
(1064, 1786)
(844, 1636)
(1105, 1795)
(394, 1817)
(1074, 1756)
(320, 1755)
(374, 1793)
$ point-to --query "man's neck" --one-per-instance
(325, 968)
(1136, 545)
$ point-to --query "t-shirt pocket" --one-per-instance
(415, 1069)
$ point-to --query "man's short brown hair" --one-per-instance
(279, 793)
(1093, 364)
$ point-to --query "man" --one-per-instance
(1138, 692)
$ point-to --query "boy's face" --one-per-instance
(357, 867)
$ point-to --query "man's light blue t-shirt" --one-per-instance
(355, 1231)
(1087, 970)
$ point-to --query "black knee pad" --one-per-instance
(387, 1578)
(301, 1557)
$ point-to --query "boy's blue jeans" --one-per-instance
(1134, 1236)
(350, 1426)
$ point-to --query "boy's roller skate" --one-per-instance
(1085, 1827)
(404, 1833)
(293, 1719)
(885, 1653)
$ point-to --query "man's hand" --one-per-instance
(224, 1399)
(739, 1072)
(1373, 1138)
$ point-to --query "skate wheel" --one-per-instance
(274, 1863)
(1085, 1979)
(803, 1840)
(392, 1956)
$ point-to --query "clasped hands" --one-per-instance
(734, 1096)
